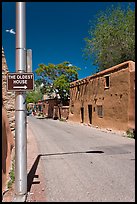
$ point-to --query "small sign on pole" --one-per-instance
(20, 81)
(29, 60)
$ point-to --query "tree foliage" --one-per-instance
(111, 38)
(34, 96)
(57, 78)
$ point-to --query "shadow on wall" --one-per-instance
(7, 146)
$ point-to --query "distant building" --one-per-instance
(52, 107)
(105, 99)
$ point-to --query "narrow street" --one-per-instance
(81, 163)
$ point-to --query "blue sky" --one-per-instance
(55, 32)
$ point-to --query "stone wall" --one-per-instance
(8, 98)
(8, 124)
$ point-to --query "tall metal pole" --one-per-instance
(20, 105)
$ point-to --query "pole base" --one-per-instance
(20, 198)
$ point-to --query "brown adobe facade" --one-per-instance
(105, 99)
(52, 108)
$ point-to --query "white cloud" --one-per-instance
(11, 31)
(70, 65)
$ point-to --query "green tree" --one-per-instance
(35, 95)
(111, 38)
(57, 78)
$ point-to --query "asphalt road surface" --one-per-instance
(82, 163)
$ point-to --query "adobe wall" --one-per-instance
(114, 100)
(7, 145)
(51, 109)
(48, 107)
(64, 112)
(131, 105)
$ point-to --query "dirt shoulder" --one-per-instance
(36, 185)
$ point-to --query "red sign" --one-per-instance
(20, 82)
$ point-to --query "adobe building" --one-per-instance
(52, 107)
(105, 99)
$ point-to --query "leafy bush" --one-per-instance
(130, 133)
(12, 175)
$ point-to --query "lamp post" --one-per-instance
(23, 65)
(20, 108)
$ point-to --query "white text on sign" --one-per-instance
(19, 81)
(20, 76)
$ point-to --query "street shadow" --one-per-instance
(80, 152)
(31, 175)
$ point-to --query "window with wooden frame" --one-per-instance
(107, 81)
(100, 111)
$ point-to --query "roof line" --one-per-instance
(123, 65)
